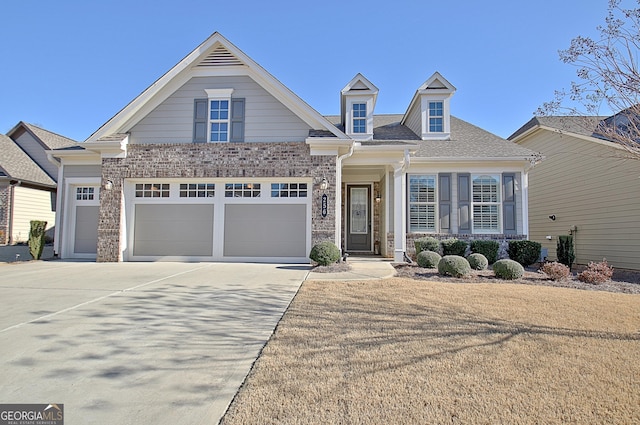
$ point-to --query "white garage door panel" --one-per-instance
(265, 230)
(86, 230)
(173, 230)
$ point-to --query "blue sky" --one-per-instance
(69, 65)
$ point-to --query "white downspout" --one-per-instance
(338, 232)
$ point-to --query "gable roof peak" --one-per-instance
(360, 83)
(437, 82)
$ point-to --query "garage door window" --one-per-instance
(85, 193)
(288, 190)
(242, 190)
(197, 190)
(148, 190)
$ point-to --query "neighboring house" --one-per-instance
(587, 187)
(219, 161)
(27, 180)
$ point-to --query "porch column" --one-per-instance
(400, 214)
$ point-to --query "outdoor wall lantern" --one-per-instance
(108, 185)
(324, 185)
(552, 217)
(378, 198)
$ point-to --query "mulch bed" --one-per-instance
(624, 281)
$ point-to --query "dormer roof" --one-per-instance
(358, 86)
(435, 85)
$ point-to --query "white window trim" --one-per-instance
(434, 203)
(218, 94)
(445, 134)
(368, 101)
(498, 178)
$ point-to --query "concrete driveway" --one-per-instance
(136, 343)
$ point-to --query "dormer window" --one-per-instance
(436, 117)
(357, 102)
(359, 117)
(429, 113)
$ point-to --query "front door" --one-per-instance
(358, 218)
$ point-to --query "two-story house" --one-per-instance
(219, 161)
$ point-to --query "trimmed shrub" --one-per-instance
(427, 244)
(564, 250)
(454, 246)
(478, 261)
(556, 271)
(454, 265)
(596, 273)
(489, 249)
(325, 253)
(508, 269)
(36, 238)
(524, 252)
(428, 259)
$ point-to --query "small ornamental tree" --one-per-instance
(564, 250)
(36, 238)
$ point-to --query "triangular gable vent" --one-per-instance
(220, 57)
(437, 84)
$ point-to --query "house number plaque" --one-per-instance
(324, 205)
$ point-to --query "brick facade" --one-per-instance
(215, 160)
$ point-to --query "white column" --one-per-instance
(400, 213)
(525, 203)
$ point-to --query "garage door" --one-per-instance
(173, 230)
(218, 220)
(255, 230)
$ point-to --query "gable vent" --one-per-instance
(220, 57)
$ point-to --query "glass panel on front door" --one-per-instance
(359, 213)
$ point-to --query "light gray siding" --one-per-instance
(414, 119)
(266, 119)
(590, 186)
(36, 151)
(82, 170)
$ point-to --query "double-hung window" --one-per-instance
(422, 203)
(219, 121)
(436, 117)
(359, 117)
(486, 203)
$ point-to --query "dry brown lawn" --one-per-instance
(405, 351)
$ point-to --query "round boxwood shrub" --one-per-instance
(427, 243)
(453, 265)
(508, 269)
(325, 253)
(428, 259)
(478, 261)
